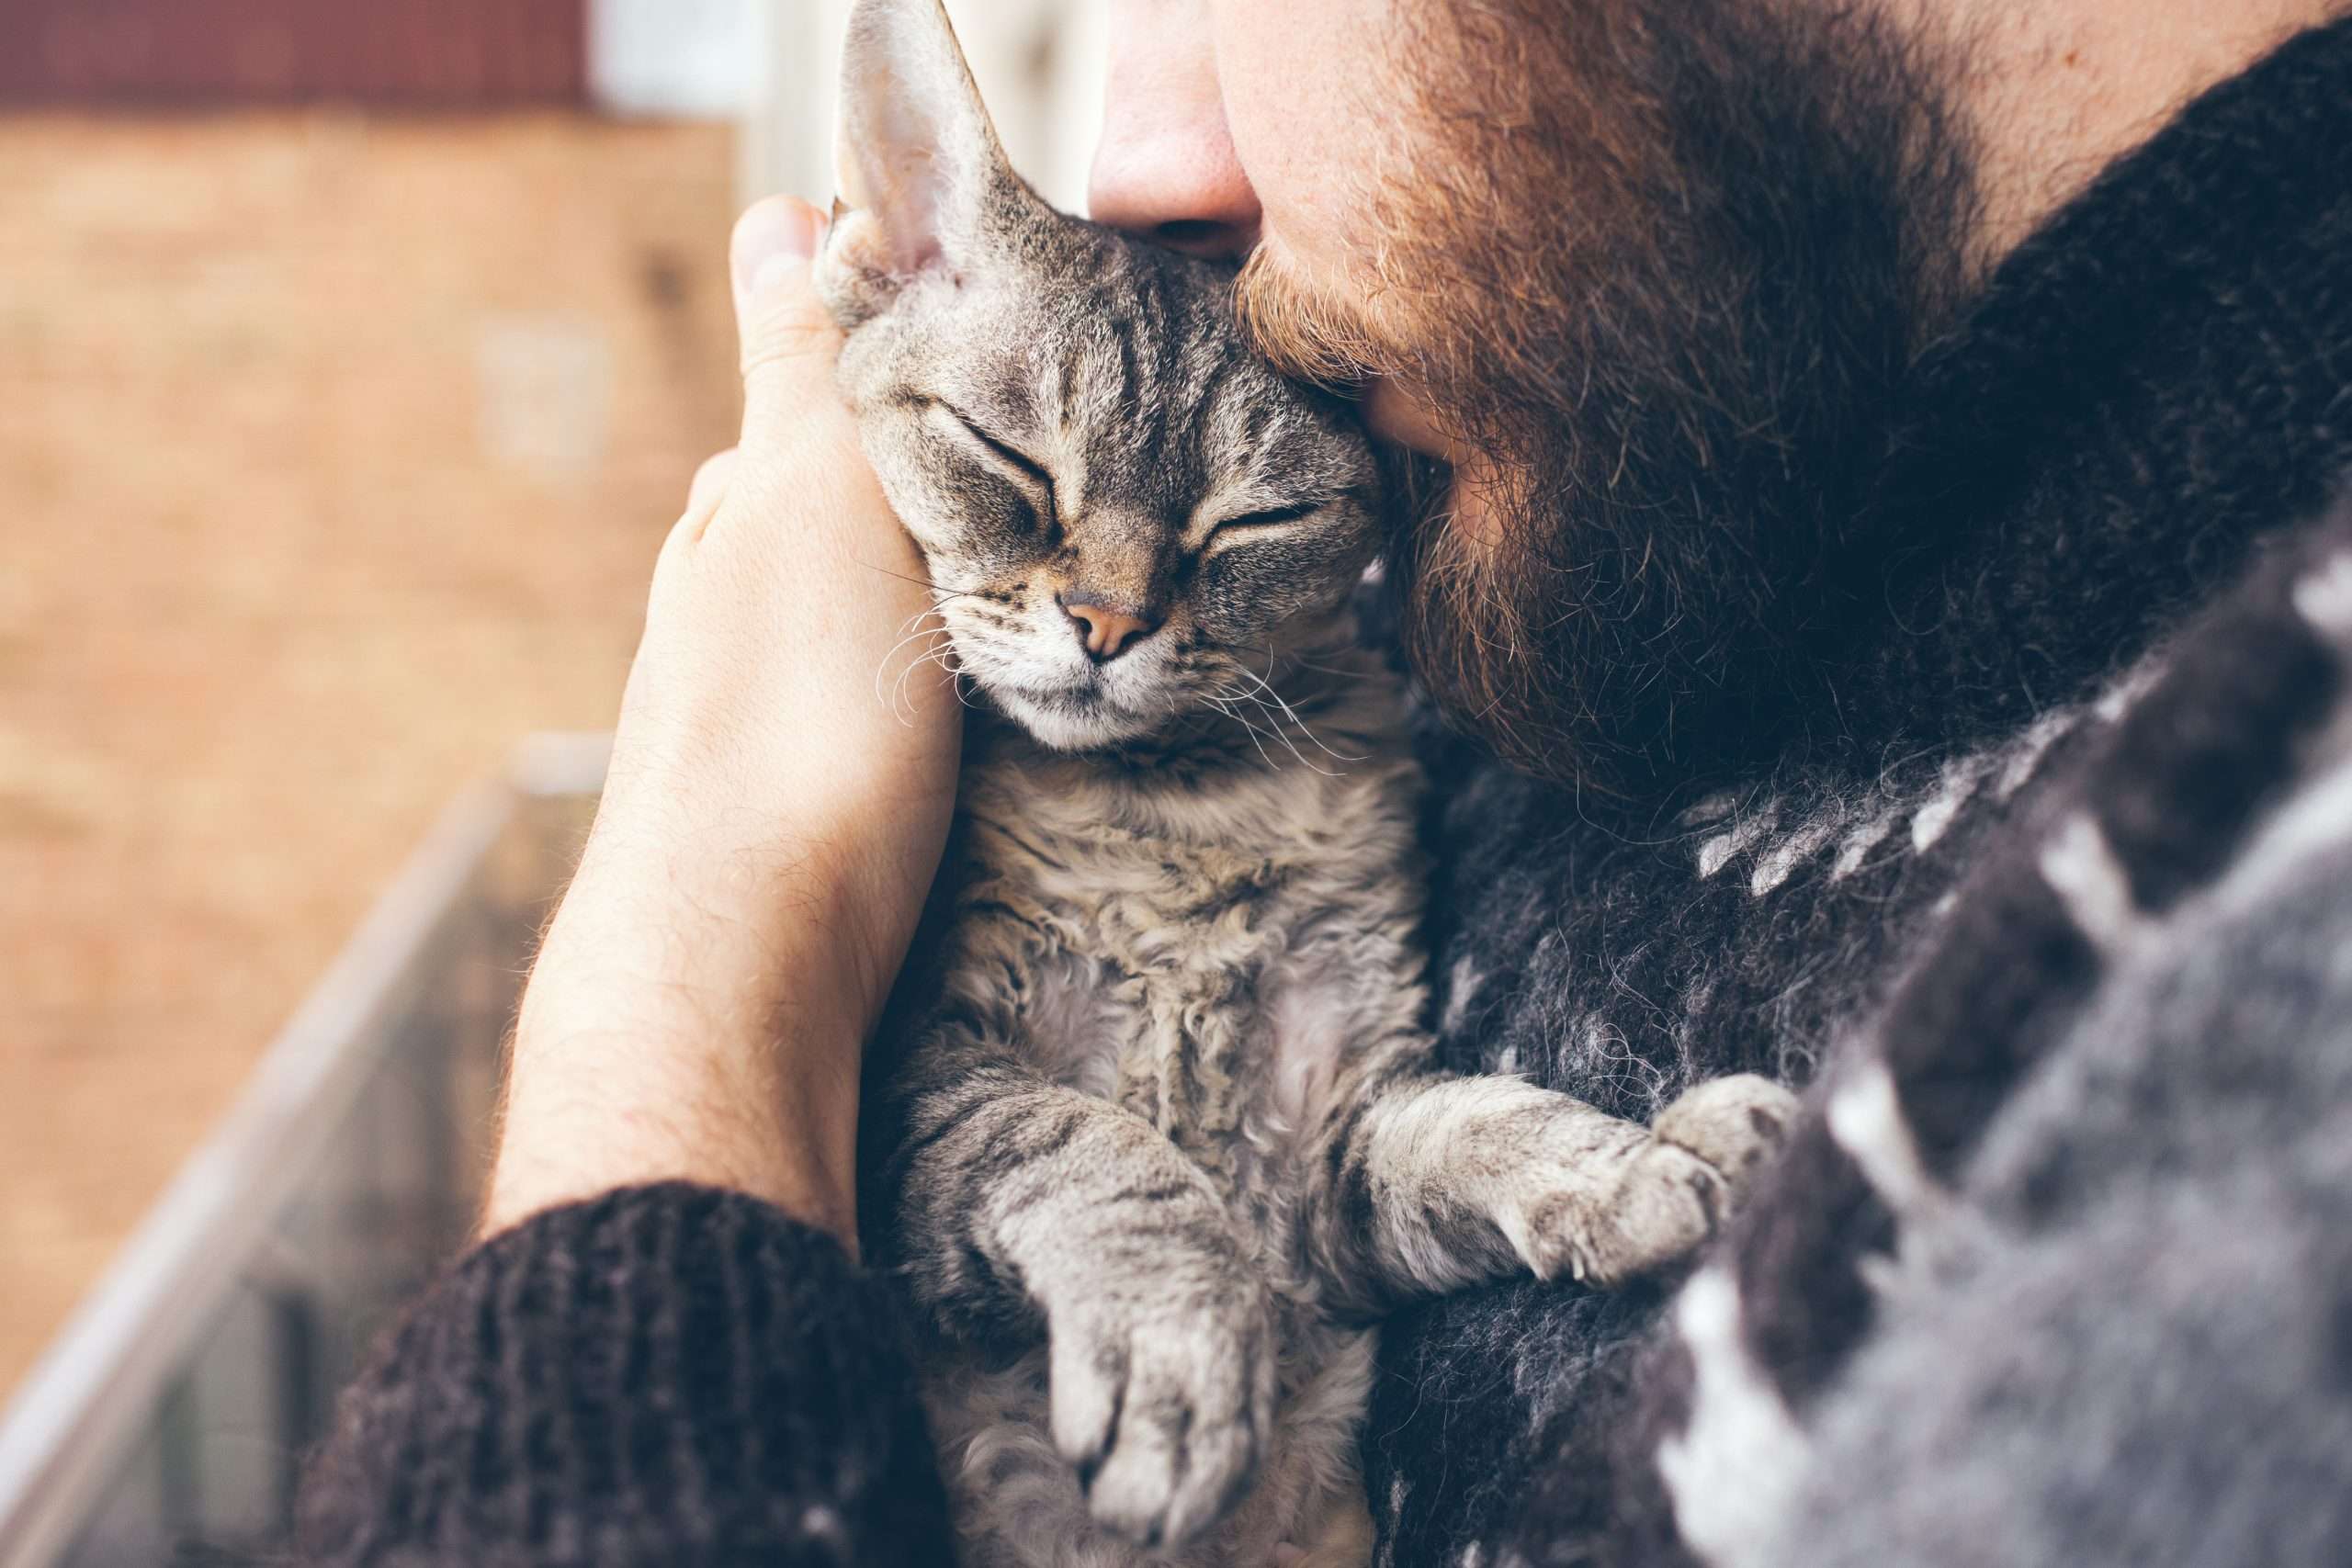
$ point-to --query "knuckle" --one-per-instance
(715, 469)
(710, 485)
(793, 337)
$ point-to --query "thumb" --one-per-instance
(788, 338)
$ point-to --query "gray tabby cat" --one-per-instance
(1165, 1145)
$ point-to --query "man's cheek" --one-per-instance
(1298, 110)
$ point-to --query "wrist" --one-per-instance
(697, 1012)
(758, 946)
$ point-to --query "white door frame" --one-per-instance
(1039, 64)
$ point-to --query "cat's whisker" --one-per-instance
(940, 646)
(955, 679)
(1275, 658)
(902, 702)
(1279, 708)
(935, 636)
(1223, 705)
(1291, 713)
(912, 628)
(1227, 705)
(1283, 736)
(1335, 672)
(939, 595)
(1346, 757)
(921, 625)
(1258, 740)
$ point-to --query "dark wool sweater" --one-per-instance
(2049, 897)
(2152, 392)
(666, 1375)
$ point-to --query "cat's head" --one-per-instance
(1126, 513)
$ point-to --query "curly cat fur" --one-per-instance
(1121, 904)
(1160, 1138)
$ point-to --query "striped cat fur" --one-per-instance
(1158, 1136)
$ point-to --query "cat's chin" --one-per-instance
(1072, 723)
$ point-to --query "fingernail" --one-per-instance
(773, 239)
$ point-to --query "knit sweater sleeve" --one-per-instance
(667, 1374)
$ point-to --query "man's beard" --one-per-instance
(1664, 265)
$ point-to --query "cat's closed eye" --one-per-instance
(1267, 518)
(1031, 480)
(1027, 467)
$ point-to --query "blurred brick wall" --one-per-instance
(417, 53)
(334, 454)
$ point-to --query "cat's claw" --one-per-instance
(1163, 1408)
(1698, 1166)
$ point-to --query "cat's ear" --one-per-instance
(923, 180)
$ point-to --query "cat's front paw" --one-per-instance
(1675, 1190)
(1163, 1399)
(1733, 1125)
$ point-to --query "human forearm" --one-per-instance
(771, 822)
(712, 1039)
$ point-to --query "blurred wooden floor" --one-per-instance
(333, 455)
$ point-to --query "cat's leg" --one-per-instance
(1429, 1184)
(1019, 1199)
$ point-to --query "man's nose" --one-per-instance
(1165, 169)
(1106, 630)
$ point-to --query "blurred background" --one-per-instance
(353, 361)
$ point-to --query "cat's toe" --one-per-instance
(1664, 1204)
(1164, 1416)
(1087, 1386)
(1736, 1125)
(1687, 1177)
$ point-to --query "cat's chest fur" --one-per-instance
(1201, 940)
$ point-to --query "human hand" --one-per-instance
(774, 813)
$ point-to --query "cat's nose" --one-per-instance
(1105, 630)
